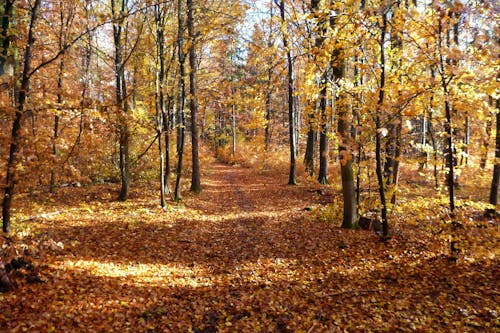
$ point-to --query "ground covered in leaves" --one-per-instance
(248, 254)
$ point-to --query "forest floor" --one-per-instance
(248, 254)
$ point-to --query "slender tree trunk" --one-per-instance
(59, 102)
(323, 135)
(267, 130)
(378, 127)
(486, 142)
(233, 125)
(448, 128)
(496, 168)
(182, 101)
(193, 103)
(291, 107)
(15, 137)
(121, 96)
(160, 98)
(311, 140)
(86, 72)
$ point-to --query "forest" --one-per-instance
(249, 165)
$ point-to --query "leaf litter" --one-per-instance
(243, 256)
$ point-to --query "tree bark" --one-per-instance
(17, 123)
(121, 97)
(160, 98)
(323, 135)
(311, 140)
(378, 128)
(291, 106)
(350, 217)
(182, 101)
(193, 103)
(496, 168)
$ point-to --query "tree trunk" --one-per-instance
(323, 135)
(350, 218)
(160, 98)
(267, 130)
(59, 106)
(193, 103)
(486, 141)
(17, 123)
(378, 128)
(311, 140)
(121, 96)
(267, 126)
(291, 107)
(448, 128)
(496, 168)
(233, 124)
(182, 100)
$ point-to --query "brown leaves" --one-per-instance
(243, 256)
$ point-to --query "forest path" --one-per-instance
(242, 256)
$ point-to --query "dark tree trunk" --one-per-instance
(323, 135)
(311, 140)
(60, 75)
(182, 101)
(193, 104)
(267, 128)
(121, 96)
(291, 106)
(486, 141)
(448, 128)
(160, 98)
(496, 168)
(17, 123)
(378, 127)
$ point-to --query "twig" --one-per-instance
(311, 329)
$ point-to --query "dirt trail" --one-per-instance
(242, 256)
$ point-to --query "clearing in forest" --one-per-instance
(245, 255)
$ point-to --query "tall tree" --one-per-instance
(66, 16)
(161, 118)
(378, 126)
(496, 167)
(15, 137)
(193, 104)
(182, 100)
(118, 10)
(290, 89)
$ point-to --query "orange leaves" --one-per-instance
(245, 256)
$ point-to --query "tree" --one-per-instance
(118, 10)
(66, 16)
(20, 96)
(496, 167)
(161, 114)
(182, 100)
(193, 104)
(290, 89)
